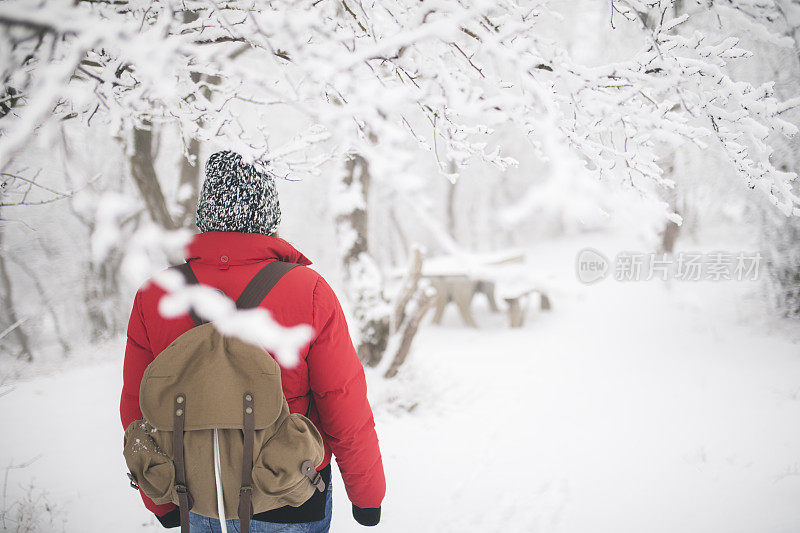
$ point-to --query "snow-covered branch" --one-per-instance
(372, 78)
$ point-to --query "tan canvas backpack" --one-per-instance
(216, 435)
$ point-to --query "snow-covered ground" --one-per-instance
(630, 407)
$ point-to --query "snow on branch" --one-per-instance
(151, 246)
(392, 78)
(18, 190)
(255, 326)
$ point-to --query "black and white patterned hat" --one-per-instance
(237, 197)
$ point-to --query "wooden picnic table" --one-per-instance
(458, 279)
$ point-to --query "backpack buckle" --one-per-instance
(317, 482)
(245, 488)
(308, 470)
(182, 489)
(134, 483)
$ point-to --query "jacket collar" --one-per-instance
(234, 248)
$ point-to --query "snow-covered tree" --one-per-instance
(394, 83)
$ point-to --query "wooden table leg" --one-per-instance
(462, 296)
(487, 289)
(442, 299)
(516, 312)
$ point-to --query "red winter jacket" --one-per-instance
(329, 377)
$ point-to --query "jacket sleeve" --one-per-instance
(137, 356)
(340, 395)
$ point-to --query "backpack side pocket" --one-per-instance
(277, 471)
(152, 469)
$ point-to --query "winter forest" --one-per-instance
(565, 235)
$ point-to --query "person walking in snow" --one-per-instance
(237, 214)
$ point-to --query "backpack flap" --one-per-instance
(212, 372)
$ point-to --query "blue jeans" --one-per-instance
(203, 524)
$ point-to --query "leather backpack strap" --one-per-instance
(184, 498)
(188, 275)
(253, 294)
(251, 297)
(262, 283)
(246, 491)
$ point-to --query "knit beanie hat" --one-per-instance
(237, 197)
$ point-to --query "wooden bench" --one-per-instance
(504, 274)
(457, 279)
(518, 304)
(459, 289)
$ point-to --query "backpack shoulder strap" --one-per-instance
(186, 270)
(262, 283)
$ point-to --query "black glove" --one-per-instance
(367, 517)
(171, 519)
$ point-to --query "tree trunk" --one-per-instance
(190, 173)
(424, 303)
(9, 318)
(780, 234)
(671, 230)
(451, 202)
(101, 295)
(144, 175)
(356, 183)
(451, 209)
(371, 311)
(190, 181)
(408, 289)
(376, 319)
(47, 304)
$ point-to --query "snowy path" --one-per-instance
(571, 426)
(626, 409)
